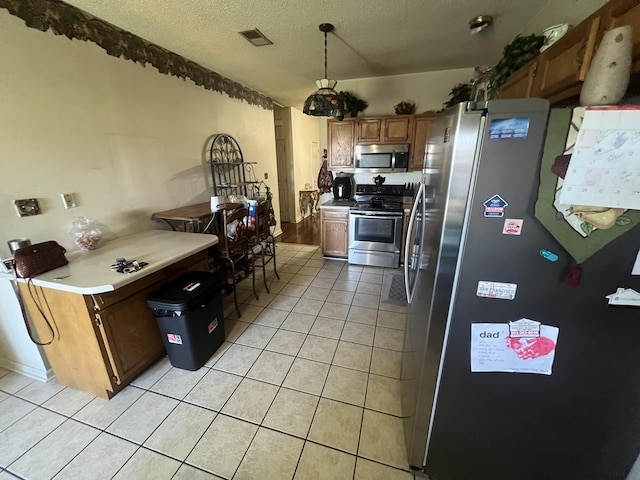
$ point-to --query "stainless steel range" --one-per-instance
(375, 226)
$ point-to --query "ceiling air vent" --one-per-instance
(256, 37)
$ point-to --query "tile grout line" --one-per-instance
(280, 385)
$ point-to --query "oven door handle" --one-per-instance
(375, 215)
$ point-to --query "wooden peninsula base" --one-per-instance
(104, 340)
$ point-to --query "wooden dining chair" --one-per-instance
(234, 248)
(264, 243)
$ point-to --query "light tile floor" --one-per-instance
(305, 387)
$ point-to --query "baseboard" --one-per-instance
(27, 371)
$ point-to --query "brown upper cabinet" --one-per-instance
(341, 143)
(392, 129)
(520, 83)
(342, 137)
(369, 130)
(558, 72)
(562, 70)
(421, 126)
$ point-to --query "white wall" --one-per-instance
(427, 90)
(125, 139)
(306, 156)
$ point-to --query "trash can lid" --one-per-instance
(186, 292)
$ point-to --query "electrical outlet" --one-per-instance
(68, 200)
(266, 176)
(27, 207)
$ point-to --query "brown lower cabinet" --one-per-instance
(335, 232)
(106, 340)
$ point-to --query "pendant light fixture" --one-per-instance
(325, 102)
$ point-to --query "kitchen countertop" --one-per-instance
(338, 203)
(90, 272)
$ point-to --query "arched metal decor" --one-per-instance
(230, 174)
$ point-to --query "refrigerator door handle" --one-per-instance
(408, 288)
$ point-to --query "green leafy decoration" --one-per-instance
(514, 56)
(587, 228)
(459, 93)
(623, 221)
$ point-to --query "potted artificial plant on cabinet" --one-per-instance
(352, 104)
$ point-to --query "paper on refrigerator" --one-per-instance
(625, 296)
(493, 350)
(604, 169)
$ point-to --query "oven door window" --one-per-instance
(372, 229)
(375, 160)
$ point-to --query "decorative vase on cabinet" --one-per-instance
(607, 80)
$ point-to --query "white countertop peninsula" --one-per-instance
(106, 334)
(90, 272)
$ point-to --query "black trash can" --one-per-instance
(191, 318)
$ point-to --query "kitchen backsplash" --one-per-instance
(390, 178)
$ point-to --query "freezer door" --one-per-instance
(450, 158)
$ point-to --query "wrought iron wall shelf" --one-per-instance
(230, 174)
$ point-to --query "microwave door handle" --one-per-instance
(393, 161)
(412, 219)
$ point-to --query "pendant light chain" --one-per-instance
(325, 102)
(325, 55)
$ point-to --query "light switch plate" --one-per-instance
(27, 207)
(68, 200)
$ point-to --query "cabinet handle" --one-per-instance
(96, 320)
(534, 70)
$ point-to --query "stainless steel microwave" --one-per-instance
(382, 158)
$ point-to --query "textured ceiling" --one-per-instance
(371, 38)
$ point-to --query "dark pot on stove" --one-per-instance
(343, 186)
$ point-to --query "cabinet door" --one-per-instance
(130, 335)
(520, 83)
(369, 130)
(76, 355)
(562, 67)
(397, 129)
(626, 12)
(335, 232)
(341, 144)
(419, 141)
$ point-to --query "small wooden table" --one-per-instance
(309, 200)
(196, 218)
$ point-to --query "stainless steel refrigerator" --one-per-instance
(580, 422)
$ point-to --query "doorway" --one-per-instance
(284, 181)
